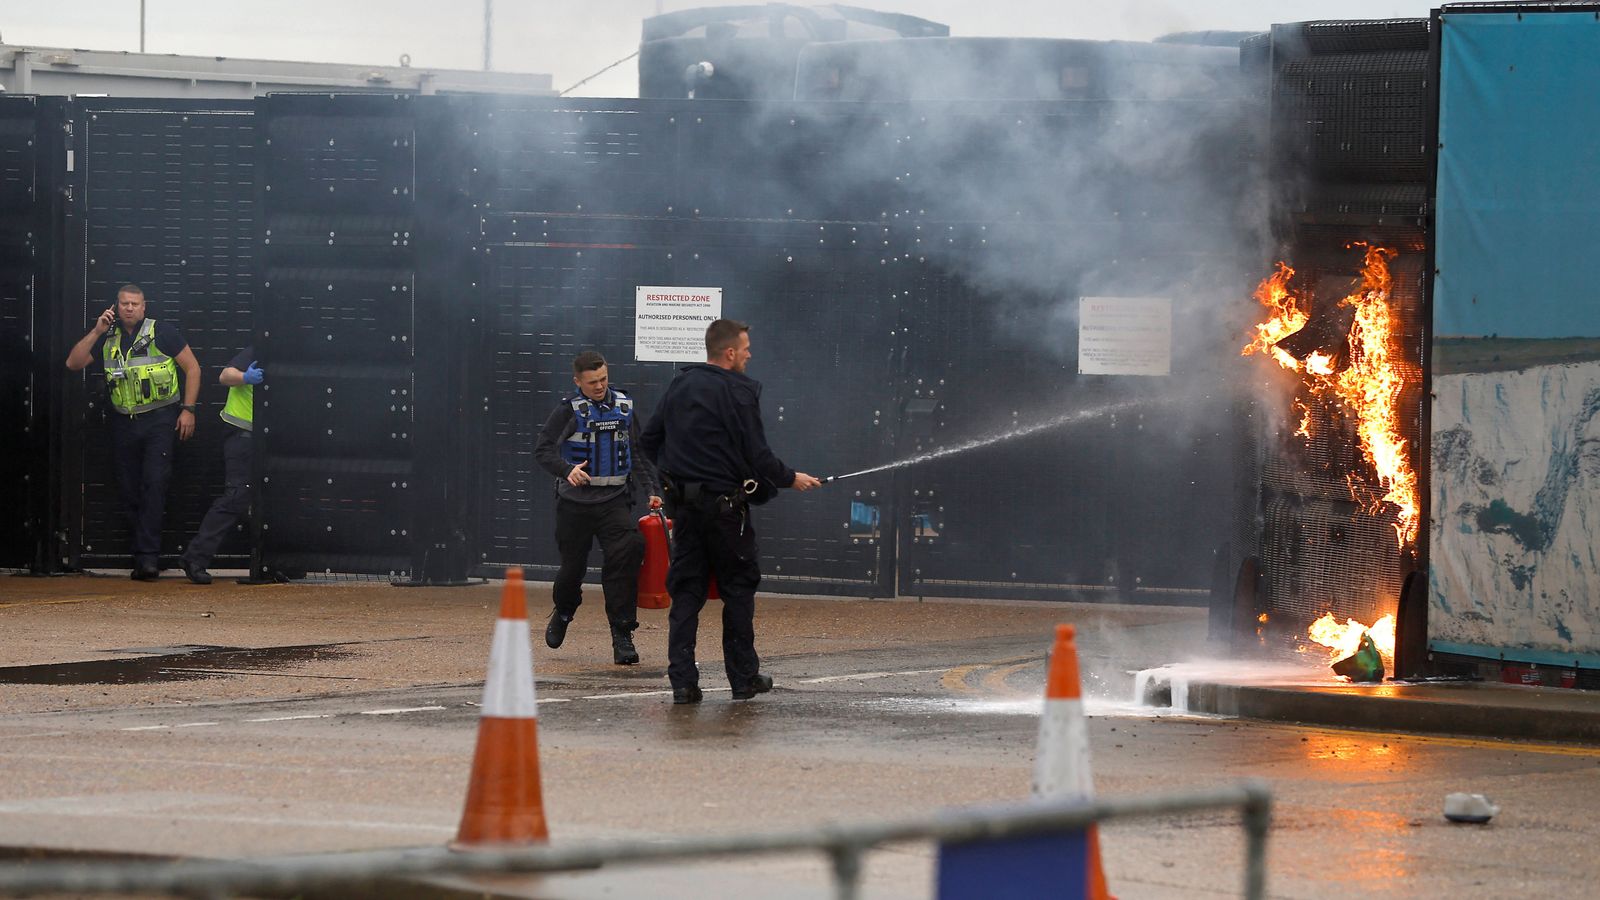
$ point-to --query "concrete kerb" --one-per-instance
(1480, 710)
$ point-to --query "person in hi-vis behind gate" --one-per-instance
(241, 375)
(141, 359)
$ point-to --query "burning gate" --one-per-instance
(1337, 525)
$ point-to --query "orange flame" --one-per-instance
(1371, 385)
(1289, 316)
(1368, 387)
(1343, 640)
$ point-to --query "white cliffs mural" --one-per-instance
(1516, 505)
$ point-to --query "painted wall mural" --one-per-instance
(1514, 563)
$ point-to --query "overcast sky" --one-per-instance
(573, 39)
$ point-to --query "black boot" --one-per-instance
(196, 573)
(622, 649)
(758, 684)
(556, 631)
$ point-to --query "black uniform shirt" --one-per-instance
(708, 431)
(241, 360)
(168, 340)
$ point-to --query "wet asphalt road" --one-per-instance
(917, 715)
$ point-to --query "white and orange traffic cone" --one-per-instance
(1061, 762)
(504, 803)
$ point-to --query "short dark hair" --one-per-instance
(722, 334)
(587, 361)
(130, 288)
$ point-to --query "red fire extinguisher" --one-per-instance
(657, 531)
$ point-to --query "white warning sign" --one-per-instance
(670, 322)
(1124, 336)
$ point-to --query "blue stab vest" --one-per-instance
(600, 437)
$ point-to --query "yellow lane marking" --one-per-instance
(996, 680)
(955, 679)
(1466, 743)
(55, 602)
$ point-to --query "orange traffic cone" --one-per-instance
(1061, 762)
(504, 802)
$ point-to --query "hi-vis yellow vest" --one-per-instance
(145, 378)
(240, 409)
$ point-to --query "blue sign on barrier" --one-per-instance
(1034, 867)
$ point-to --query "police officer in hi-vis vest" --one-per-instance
(241, 375)
(141, 360)
(588, 445)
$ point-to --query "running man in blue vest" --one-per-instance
(141, 360)
(241, 375)
(588, 444)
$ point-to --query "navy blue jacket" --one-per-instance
(707, 430)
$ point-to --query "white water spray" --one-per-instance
(1167, 687)
(1082, 415)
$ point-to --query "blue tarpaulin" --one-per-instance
(1519, 176)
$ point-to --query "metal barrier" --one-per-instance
(844, 844)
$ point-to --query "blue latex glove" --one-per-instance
(254, 375)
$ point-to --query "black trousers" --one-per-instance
(141, 458)
(230, 507)
(709, 539)
(578, 525)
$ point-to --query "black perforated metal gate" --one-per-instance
(417, 272)
(1348, 105)
(163, 194)
(338, 434)
(575, 205)
(1129, 498)
(31, 159)
(431, 265)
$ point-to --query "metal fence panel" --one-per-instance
(27, 265)
(1106, 503)
(337, 424)
(427, 266)
(578, 204)
(166, 200)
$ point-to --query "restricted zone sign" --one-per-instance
(670, 322)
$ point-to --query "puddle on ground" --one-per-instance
(185, 663)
